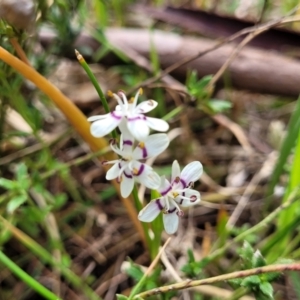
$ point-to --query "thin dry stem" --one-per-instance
(235, 129)
(264, 172)
(205, 289)
(260, 28)
(239, 274)
(14, 42)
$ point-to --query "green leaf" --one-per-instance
(193, 268)
(246, 253)
(287, 146)
(251, 281)
(271, 276)
(191, 256)
(218, 106)
(8, 184)
(60, 200)
(21, 172)
(16, 202)
(135, 272)
(258, 260)
(267, 289)
(197, 88)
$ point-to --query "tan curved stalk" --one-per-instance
(75, 117)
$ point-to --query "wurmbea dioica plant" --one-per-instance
(136, 145)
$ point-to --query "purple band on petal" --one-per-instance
(127, 175)
(145, 153)
(170, 211)
(183, 195)
(160, 206)
(127, 142)
(133, 119)
(139, 117)
(163, 193)
(183, 182)
(141, 170)
(115, 116)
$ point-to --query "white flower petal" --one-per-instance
(188, 197)
(153, 146)
(165, 186)
(102, 127)
(171, 222)
(127, 184)
(99, 117)
(145, 107)
(126, 140)
(191, 173)
(123, 127)
(138, 127)
(150, 179)
(113, 172)
(175, 170)
(145, 175)
(152, 210)
(157, 124)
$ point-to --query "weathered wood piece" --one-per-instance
(254, 69)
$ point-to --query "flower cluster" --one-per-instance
(136, 145)
(174, 194)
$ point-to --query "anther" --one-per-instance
(110, 93)
(180, 213)
(141, 145)
(193, 198)
(121, 92)
(175, 194)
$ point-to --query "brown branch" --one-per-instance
(239, 274)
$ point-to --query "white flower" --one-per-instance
(129, 168)
(130, 115)
(173, 195)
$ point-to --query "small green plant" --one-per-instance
(199, 92)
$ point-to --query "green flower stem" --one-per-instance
(44, 255)
(93, 80)
(138, 206)
(157, 227)
(239, 274)
(95, 83)
(35, 285)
